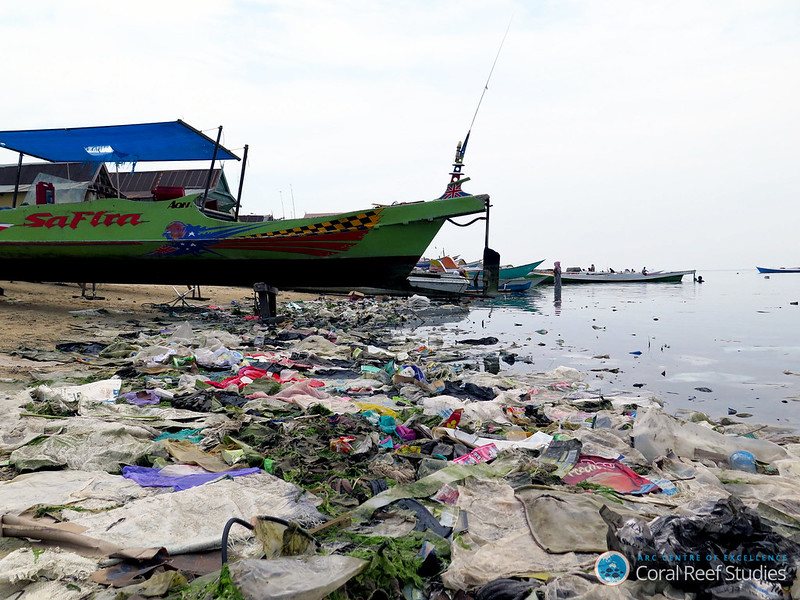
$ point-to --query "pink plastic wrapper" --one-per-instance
(405, 433)
(609, 473)
(481, 454)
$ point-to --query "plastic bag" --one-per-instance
(737, 554)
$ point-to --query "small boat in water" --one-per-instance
(779, 270)
(511, 278)
(436, 283)
(573, 275)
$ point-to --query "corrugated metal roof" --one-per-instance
(72, 171)
(140, 184)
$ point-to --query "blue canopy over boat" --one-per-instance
(169, 141)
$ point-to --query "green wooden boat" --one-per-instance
(180, 240)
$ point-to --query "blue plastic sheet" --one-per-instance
(173, 140)
(141, 398)
(193, 435)
(151, 477)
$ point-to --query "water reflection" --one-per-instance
(540, 298)
(530, 300)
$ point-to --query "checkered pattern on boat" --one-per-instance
(360, 222)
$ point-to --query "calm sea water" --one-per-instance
(736, 334)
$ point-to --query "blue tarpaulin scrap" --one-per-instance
(151, 477)
(173, 140)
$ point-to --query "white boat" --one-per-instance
(573, 275)
(442, 283)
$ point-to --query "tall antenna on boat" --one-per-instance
(485, 87)
(294, 212)
(491, 259)
(456, 175)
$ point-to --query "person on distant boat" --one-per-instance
(644, 270)
(591, 268)
(610, 270)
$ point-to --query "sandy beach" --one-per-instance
(38, 316)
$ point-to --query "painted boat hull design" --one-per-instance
(608, 277)
(779, 270)
(125, 241)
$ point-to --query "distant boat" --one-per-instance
(583, 276)
(780, 270)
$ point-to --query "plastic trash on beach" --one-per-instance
(478, 455)
(609, 473)
(742, 461)
(417, 302)
(739, 555)
(656, 433)
(563, 453)
(294, 578)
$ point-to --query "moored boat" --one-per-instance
(583, 276)
(511, 278)
(779, 270)
(183, 239)
(514, 272)
(435, 283)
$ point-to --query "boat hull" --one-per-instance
(123, 241)
(511, 279)
(518, 271)
(438, 283)
(517, 284)
(606, 277)
(779, 270)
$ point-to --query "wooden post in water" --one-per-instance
(557, 281)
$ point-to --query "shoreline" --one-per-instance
(34, 313)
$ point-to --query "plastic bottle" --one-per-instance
(742, 461)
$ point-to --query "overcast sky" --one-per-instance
(616, 132)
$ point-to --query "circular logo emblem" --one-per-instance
(175, 231)
(612, 568)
